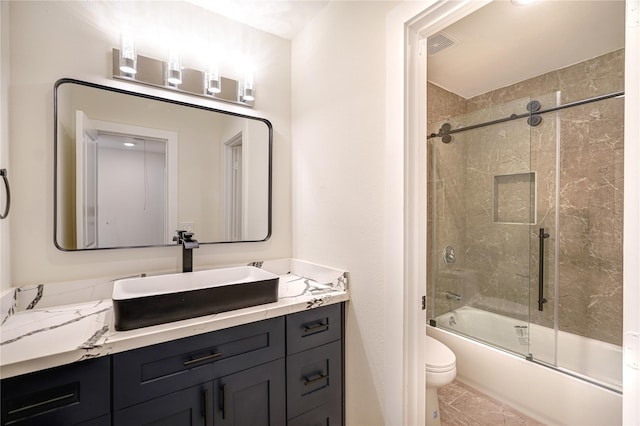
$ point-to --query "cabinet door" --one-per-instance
(325, 415)
(252, 397)
(188, 407)
(65, 395)
(150, 372)
(100, 421)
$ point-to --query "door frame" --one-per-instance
(171, 165)
(233, 225)
(407, 25)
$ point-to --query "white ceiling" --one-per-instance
(284, 18)
(498, 45)
(502, 44)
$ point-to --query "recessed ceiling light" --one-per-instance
(522, 2)
(129, 144)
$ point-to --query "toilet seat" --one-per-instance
(439, 358)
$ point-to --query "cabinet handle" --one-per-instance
(205, 396)
(308, 381)
(39, 404)
(316, 327)
(202, 359)
(223, 400)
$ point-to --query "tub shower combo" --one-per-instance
(525, 229)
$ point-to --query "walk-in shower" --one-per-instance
(525, 221)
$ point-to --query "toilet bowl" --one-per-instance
(440, 369)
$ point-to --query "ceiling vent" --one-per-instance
(438, 42)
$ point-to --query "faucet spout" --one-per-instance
(449, 295)
(188, 244)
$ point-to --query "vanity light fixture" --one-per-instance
(128, 57)
(170, 75)
(212, 79)
(174, 68)
(248, 92)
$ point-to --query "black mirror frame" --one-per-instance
(155, 98)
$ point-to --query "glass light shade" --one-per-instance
(128, 57)
(212, 80)
(248, 92)
(174, 68)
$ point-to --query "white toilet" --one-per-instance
(440, 371)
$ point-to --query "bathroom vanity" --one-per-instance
(274, 364)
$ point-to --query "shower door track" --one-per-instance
(512, 117)
(529, 357)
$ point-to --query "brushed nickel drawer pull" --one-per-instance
(202, 359)
(308, 381)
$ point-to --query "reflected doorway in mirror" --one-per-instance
(123, 178)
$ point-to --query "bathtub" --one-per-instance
(589, 394)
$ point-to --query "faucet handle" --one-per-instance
(187, 236)
(180, 234)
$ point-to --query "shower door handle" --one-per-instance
(541, 300)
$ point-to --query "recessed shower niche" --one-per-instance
(514, 198)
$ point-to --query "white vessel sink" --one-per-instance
(141, 302)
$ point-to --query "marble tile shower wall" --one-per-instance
(482, 185)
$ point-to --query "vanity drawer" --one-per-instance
(146, 373)
(67, 395)
(314, 378)
(313, 327)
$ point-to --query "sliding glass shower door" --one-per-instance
(488, 189)
(525, 231)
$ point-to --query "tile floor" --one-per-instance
(462, 405)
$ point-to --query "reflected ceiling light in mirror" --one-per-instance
(522, 2)
(129, 144)
(174, 68)
(128, 57)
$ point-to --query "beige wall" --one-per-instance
(5, 266)
(52, 40)
(497, 266)
(339, 178)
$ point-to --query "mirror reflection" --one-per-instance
(132, 169)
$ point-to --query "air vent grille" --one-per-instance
(438, 42)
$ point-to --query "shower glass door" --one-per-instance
(491, 189)
(583, 274)
(525, 230)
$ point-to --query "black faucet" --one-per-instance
(188, 244)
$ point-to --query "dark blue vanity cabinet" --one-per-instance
(74, 394)
(315, 366)
(204, 379)
(284, 370)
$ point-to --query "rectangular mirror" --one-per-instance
(131, 169)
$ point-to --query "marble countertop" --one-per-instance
(47, 325)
